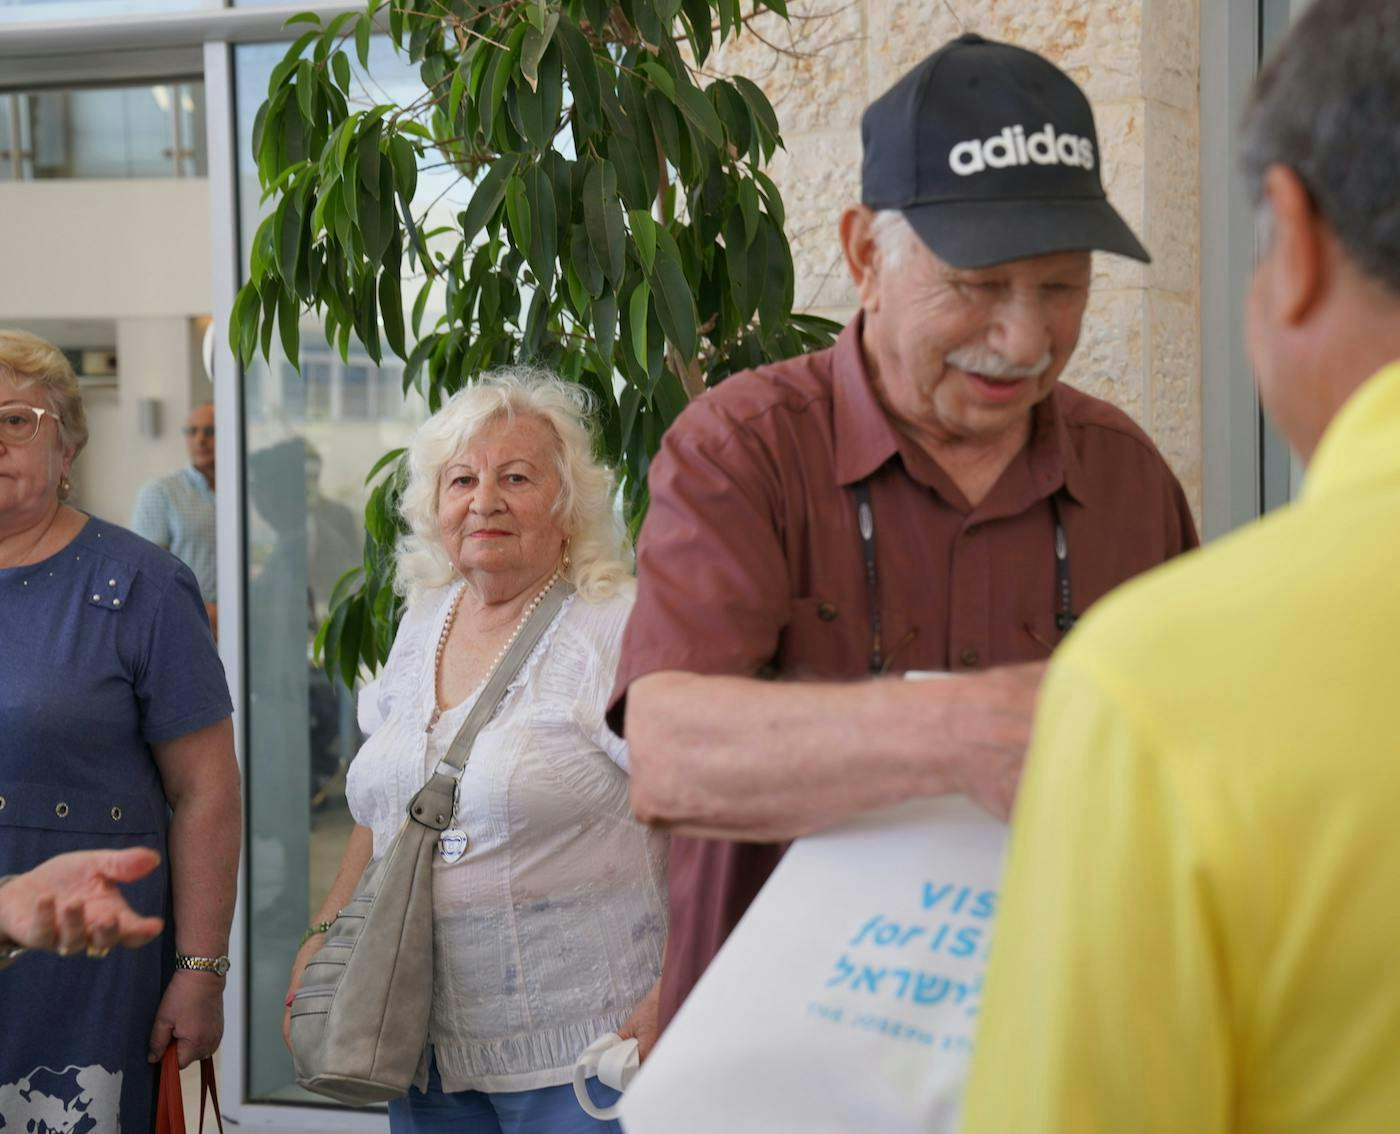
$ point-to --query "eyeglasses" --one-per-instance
(19, 423)
(193, 430)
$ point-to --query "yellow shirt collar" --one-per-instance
(1362, 443)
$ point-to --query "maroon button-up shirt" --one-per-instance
(751, 561)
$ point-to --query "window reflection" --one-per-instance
(109, 132)
(312, 433)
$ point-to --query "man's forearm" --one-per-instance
(737, 758)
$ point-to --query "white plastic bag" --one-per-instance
(846, 998)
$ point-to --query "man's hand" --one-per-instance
(191, 1015)
(990, 732)
(642, 1024)
(71, 902)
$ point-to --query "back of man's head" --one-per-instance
(1327, 106)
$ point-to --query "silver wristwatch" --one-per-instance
(219, 966)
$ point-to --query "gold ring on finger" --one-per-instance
(67, 950)
(96, 951)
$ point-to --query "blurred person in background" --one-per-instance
(114, 732)
(176, 512)
(1201, 915)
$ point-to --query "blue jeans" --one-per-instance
(545, 1110)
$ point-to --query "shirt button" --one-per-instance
(826, 612)
(968, 656)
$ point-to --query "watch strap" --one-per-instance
(219, 966)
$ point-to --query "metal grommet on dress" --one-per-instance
(2, 803)
(61, 810)
(116, 813)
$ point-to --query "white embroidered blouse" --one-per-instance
(550, 929)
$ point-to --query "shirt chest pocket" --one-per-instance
(825, 638)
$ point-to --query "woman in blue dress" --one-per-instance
(114, 732)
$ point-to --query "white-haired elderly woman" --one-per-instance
(114, 733)
(549, 929)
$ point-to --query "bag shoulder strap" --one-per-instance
(504, 673)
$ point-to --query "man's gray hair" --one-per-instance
(895, 238)
(1326, 106)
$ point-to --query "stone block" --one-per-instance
(1172, 198)
(811, 67)
(1171, 52)
(1174, 378)
(1123, 148)
(1108, 362)
(818, 176)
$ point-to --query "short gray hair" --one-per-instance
(1325, 106)
(895, 238)
(597, 543)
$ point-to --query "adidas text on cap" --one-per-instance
(990, 153)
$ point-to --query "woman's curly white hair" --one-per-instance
(598, 548)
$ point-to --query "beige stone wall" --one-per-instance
(1139, 62)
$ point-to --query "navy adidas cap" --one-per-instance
(991, 154)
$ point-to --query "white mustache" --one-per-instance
(980, 360)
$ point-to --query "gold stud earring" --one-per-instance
(567, 561)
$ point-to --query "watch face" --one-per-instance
(222, 966)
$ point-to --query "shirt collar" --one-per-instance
(866, 438)
(196, 478)
(1362, 443)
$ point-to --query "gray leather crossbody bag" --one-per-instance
(360, 1016)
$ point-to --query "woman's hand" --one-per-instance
(304, 954)
(191, 1016)
(71, 902)
(642, 1024)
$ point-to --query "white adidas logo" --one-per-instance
(1014, 147)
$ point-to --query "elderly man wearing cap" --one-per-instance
(922, 496)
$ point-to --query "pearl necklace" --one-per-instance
(530, 607)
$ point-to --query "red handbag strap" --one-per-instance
(170, 1104)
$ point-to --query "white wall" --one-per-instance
(135, 253)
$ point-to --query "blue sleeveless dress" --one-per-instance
(104, 650)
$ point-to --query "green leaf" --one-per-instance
(391, 312)
(602, 216)
(287, 315)
(288, 247)
(532, 48)
(748, 206)
(637, 308)
(387, 459)
(584, 262)
(419, 305)
(306, 90)
(405, 163)
(340, 67)
(362, 31)
(675, 306)
(700, 112)
(542, 248)
(771, 197)
(644, 237)
(605, 324)
(368, 146)
(582, 69)
(660, 77)
(759, 104)
(488, 196)
(518, 211)
(303, 18)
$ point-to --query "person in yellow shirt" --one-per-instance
(1200, 923)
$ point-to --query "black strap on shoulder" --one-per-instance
(865, 522)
